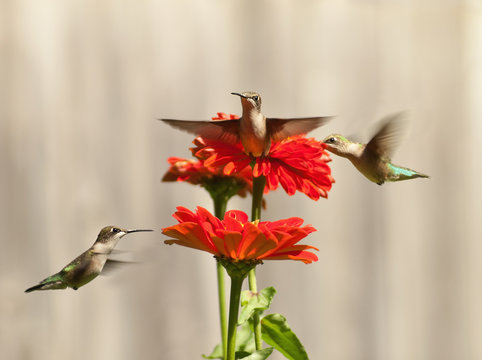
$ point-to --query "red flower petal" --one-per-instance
(238, 239)
(297, 164)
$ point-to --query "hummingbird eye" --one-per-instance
(115, 230)
(255, 98)
(331, 140)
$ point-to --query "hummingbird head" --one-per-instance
(113, 233)
(337, 144)
(250, 99)
(108, 238)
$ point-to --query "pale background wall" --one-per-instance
(81, 84)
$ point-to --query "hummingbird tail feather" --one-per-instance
(33, 288)
(423, 175)
(402, 173)
(49, 285)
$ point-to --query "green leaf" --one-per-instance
(252, 302)
(217, 353)
(245, 339)
(244, 344)
(258, 355)
(241, 354)
(276, 332)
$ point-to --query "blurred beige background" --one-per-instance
(81, 86)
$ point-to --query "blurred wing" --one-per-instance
(112, 265)
(282, 128)
(387, 139)
(223, 130)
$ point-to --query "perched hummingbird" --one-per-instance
(374, 158)
(255, 130)
(86, 266)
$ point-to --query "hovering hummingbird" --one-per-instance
(374, 158)
(255, 130)
(86, 266)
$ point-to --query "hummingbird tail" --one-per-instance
(33, 288)
(48, 285)
(402, 173)
(412, 174)
(420, 175)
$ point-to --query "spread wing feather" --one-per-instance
(223, 130)
(282, 128)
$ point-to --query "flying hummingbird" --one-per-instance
(86, 266)
(255, 130)
(374, 158)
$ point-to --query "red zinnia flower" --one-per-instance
(191, 171)
(238, 239)
(197, 173)
(297, 163)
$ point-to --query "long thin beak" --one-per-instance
(241, 95)
(137, 230)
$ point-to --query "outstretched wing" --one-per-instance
(282, 128)
(387, 138)
(223, 130)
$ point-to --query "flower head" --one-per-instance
(297, 163)
(189, 170)
(238, 239)
(211, 178)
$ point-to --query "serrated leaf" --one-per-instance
(252, 302)
(258, 355)
(277, 333)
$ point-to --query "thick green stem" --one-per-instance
(258, 190)
(236, 283)
(220, 204)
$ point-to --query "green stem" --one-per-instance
(220, 204)
(222, 307)
(256, 319)
(236, 283)
(258, 190)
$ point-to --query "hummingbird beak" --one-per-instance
(137, 230)
(241, 95)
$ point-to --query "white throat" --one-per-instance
(105, 248)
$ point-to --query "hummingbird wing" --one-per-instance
(282, 128)
(112, 265)
(223, 130)
(387, 138)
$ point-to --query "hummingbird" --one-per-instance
(255, 130)
(86, 266)
(374, 158)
